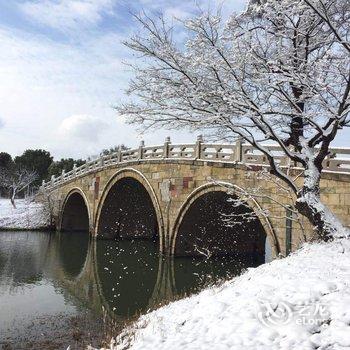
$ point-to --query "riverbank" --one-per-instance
(300, 302)
(27, 216)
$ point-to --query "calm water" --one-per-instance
(62, 289)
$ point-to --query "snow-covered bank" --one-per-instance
(300, 302)
(28, 215)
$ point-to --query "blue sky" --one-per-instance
(61, 70)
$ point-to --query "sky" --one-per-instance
(62, 69)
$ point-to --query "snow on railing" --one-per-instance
(337, 161)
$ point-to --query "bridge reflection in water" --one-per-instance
(46, 275)
(128, 277)
(123, 271)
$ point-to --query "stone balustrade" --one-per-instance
(337, 161)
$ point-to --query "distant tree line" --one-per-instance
(114, 149)
(23, 175)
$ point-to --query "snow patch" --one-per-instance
(28, 215)
(316, 278)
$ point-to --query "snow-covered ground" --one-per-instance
(28, 215)
(300, 302)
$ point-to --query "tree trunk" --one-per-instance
(326, 224)
(13, 195)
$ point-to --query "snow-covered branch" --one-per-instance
(278, 72)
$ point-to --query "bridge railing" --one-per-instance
(337, 161)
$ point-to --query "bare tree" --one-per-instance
(49, 200)
(278, 72)
(16, 180)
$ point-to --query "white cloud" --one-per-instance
(84, 127)
(229, 6)
(1, 123)
(42, 82)
(176, 12)
(184, 9)
(67, 14)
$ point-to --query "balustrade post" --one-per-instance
(52, 180)
(140, 152)
(63, 173)
(238, 151)
(74, 169)
(101, 162)
(198, 151)
(119, 157)
(166, 147)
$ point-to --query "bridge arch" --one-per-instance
(75, 213)
(136, 178)
(221, 187)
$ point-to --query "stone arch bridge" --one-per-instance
(180, 194)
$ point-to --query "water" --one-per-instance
(63, 289)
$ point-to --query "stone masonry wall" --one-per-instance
(171, 185)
